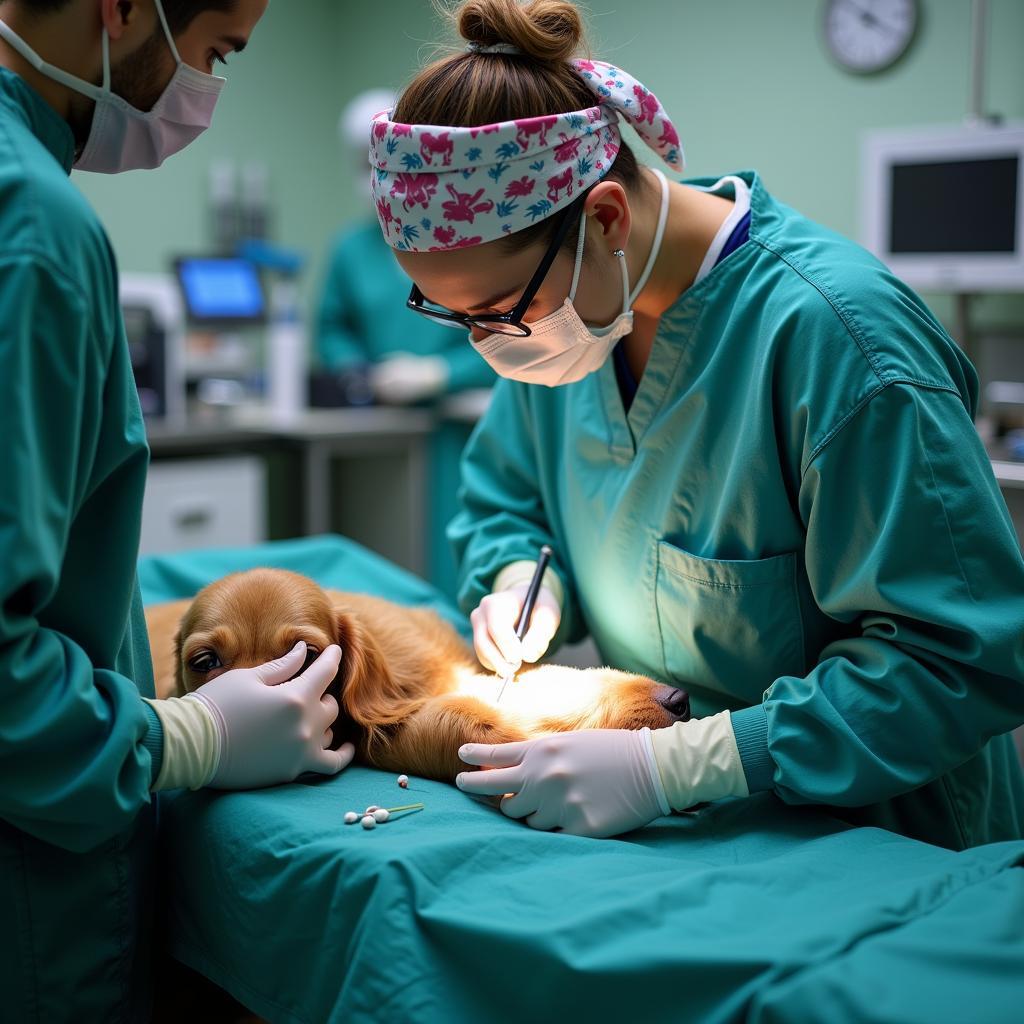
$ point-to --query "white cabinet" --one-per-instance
(202, 503)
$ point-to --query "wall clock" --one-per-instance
(866, 36)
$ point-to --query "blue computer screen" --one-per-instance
(219, 288)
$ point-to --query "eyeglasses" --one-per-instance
(501, 323)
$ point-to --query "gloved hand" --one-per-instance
(403, 378)
(596, 782)
(494, 619)
(272, 726)
(602, 782)
(494, 628)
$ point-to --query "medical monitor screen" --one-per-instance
(954, 206)
(223, 290)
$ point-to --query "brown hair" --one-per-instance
(469, 89)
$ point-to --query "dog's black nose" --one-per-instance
(677, 703)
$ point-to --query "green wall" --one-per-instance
(748, 82)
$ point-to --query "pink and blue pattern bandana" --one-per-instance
(438, 188)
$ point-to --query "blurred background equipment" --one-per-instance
(945, 208)
(154, 324)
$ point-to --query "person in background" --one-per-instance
(108, 86)
(362, 317)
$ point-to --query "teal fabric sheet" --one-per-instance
(747, 910)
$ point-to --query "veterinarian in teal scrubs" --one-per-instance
(759, 473)
(80, 749)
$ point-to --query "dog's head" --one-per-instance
(250, 618)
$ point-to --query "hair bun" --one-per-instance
(547, 30)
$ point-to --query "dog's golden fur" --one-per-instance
(410, 690)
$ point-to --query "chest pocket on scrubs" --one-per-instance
(729, 627)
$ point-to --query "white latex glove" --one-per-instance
(494, 627)
(272, 726)
(403, 378)
(596, 782)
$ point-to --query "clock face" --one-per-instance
(869, 35)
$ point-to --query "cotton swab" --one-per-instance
(374, 815)
(406, 807)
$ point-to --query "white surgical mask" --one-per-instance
(561, 348)
(122, 137)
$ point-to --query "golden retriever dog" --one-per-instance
(411, 692)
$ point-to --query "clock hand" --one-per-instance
(871, 19)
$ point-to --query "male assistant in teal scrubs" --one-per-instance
(104, 85)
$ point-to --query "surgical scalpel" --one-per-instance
(526, 614)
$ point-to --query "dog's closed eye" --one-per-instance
(204, 661)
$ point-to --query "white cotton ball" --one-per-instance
(381, 815)
(369, 821)
(403, 781)
(351, 817)
(370, 809)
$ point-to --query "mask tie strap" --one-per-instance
(659, 234)
(579, 257)
(167, 32)
(106, 61)
(50, 70)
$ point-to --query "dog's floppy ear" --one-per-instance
(371, 693)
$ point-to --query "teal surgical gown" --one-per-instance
(76, 823)
(796, 521)
(363, 317)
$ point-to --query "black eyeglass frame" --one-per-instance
(514, 317)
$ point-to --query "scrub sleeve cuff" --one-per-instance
(153, 741)
(751, 728)
(516, 573)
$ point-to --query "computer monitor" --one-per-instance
(221, 290)
(944, 208)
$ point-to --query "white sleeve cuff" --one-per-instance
(699, 761)
(516, 573)
(192, 743)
